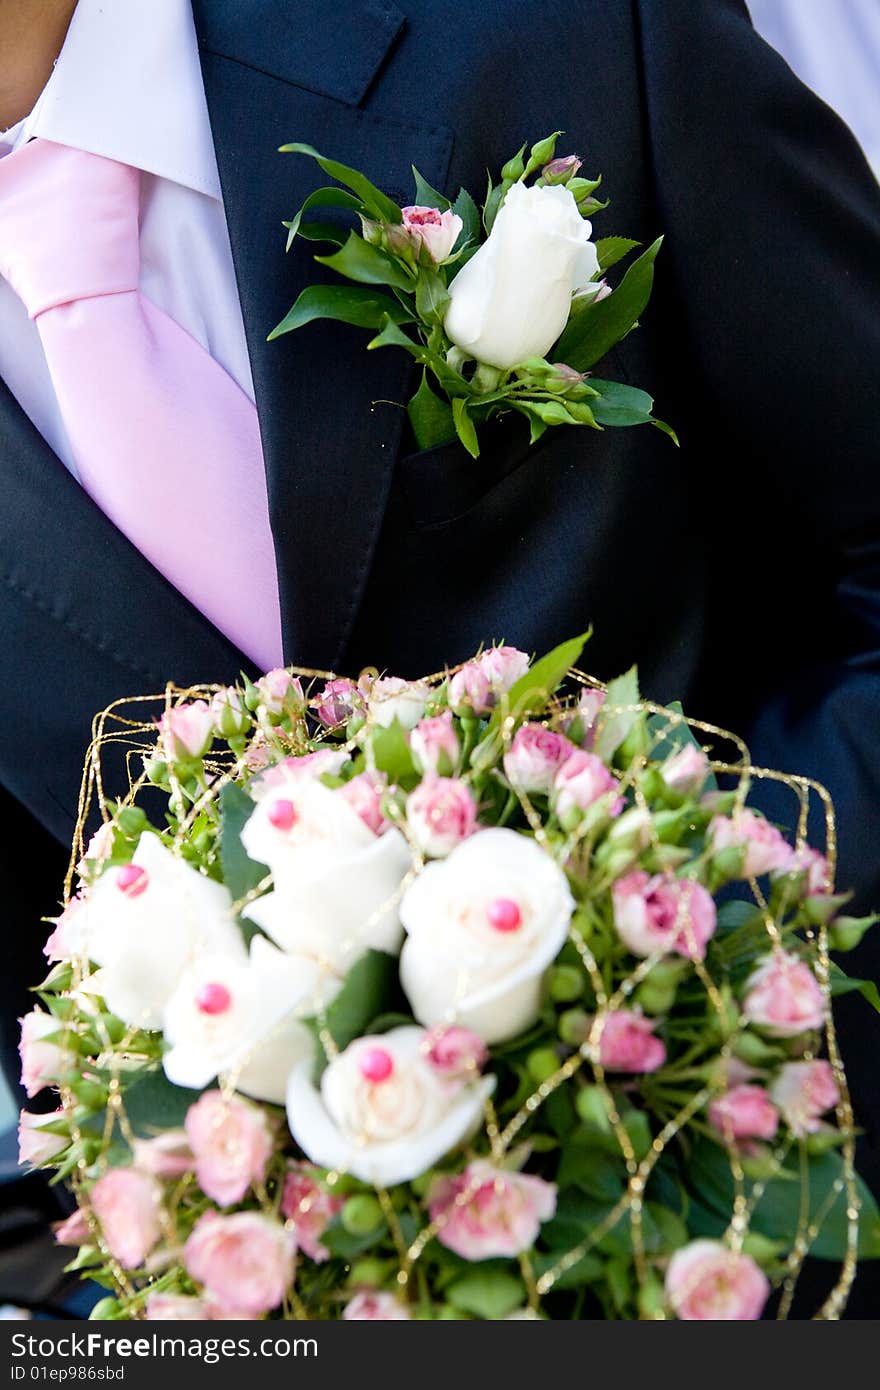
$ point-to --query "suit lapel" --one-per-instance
(330, 431)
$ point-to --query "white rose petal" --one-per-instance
(144, 941)
(392, 698)
(512, 299)
(259, 1038)
(389, 1131)
(456, 967)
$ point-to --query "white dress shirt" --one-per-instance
(834, 47)
(128, 86)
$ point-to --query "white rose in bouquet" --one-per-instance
(512, 299)
(242, 1020)
(385, 1112)
(337, 882)
(482, 926)
(145, 922)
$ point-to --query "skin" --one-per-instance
(33, 33)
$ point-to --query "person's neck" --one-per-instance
(32, 34)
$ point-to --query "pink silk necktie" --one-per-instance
(164, 441)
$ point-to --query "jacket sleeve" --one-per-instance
(772, 269)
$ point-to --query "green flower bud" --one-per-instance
(574, 1027)
(361, 1215)
(368, 1272)
(846, 932)
(156, 770)
(542, 1063)
(651, 1298)
(566, 983)
(655, 999)
(544, 151)
(514, 168)
(132, 821)
(590, 1105)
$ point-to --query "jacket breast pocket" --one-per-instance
(443, 484)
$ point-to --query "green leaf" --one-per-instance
(778, 1212)
(590, 335)
(614, 729)
(426, 196)
(153, 1105)
(392, 336)
(368, 987)
(431, 418)
(240, 874)
(467, 210)
(611, 249)
(391, 753)
(372, 197)
(490, 1294)
(617, 404)
(432, 296)
(588, 1269)
(346, 303)
(368, 264)
(464, 426)
(329, 197)
(842, 984)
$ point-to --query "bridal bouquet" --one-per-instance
(508, 301)
(481, 996)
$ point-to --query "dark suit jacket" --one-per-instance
(742, 572)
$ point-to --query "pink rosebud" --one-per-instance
(63, 943)
(176, 1307)
(434, 745)
(686, 771)
(232, 1143)
(456, 1052)
(816, 868)
(628, 1043)
(585, 715)
(567, 374)
(43, 1062)
(534, 758)
(486, 1212)
(281, 693)
(127, 1204)
(436, 231)
(231, 719)
(707, 1283)
(308, 1209)
(336, 702)
(372, 1306)
(502, 667)
(187, 731)
(663, 914)
(580, 782)
(244, 1261)
(440, 814)
(744, 1112)
(804, 1091)
(364, 795)
(73, 1230)
(561, 169)
(167, 1156)
(766, 849)
(783, 996)
(470, 693)
(35, 1145)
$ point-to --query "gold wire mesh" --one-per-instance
(129, 725)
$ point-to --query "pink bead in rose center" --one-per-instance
(213, 998)
(282, 814)
(376, 1064)
(132, 880)
(504, 914)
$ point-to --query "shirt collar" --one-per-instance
(128, 86)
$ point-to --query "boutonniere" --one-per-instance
(505, 306)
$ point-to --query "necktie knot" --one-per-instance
(68, 225)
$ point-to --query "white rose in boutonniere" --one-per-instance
(336, 881)
(242, 1020)
(143, 923)
(512, 300)
(385, 1113)
(482, 926)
